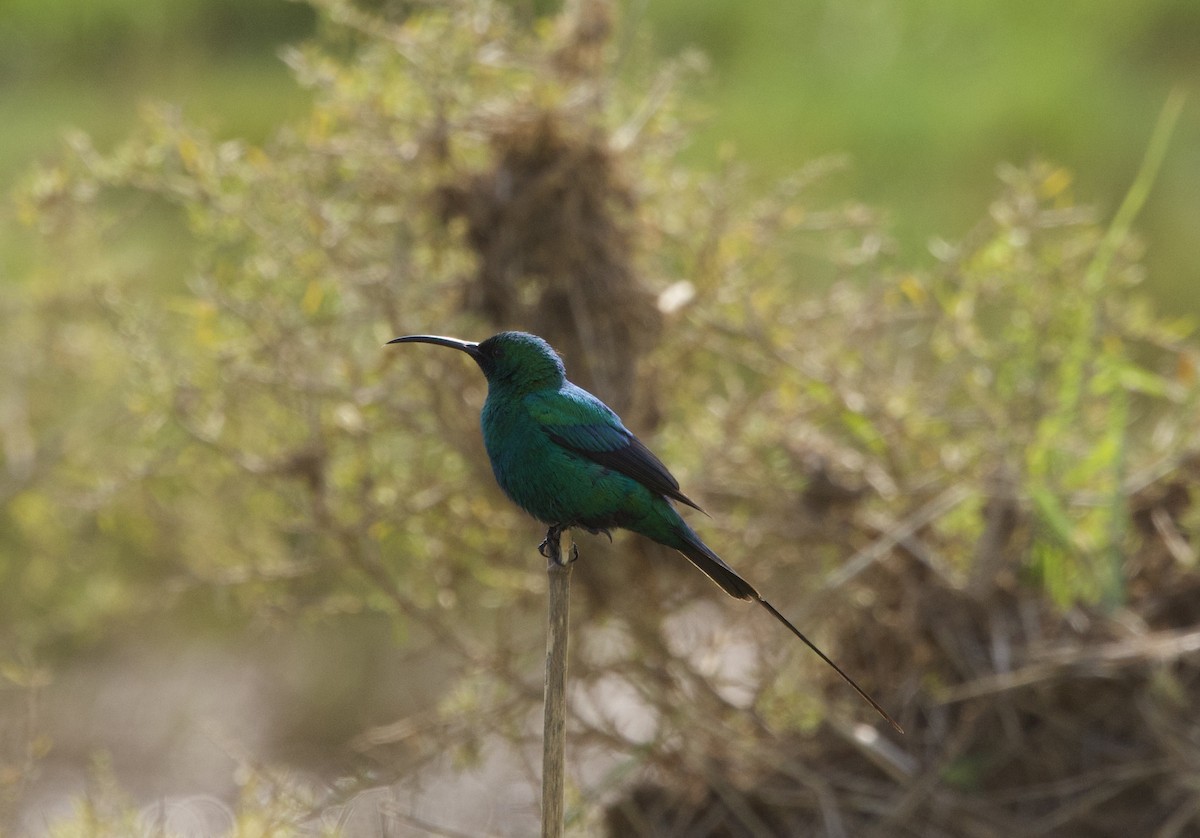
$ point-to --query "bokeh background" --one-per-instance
(904, 293)
(925, 98)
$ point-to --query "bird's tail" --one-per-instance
(688, 543)
(704, 558)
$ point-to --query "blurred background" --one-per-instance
(924, 98)
(903, 293)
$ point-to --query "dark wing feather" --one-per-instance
(579, 422)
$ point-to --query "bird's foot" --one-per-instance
(551, 547)
(600, 531)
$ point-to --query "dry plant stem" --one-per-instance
(558, 569)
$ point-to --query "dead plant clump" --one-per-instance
(549, 221)
(1021, 720)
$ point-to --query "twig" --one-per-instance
(879, 548)
(1098, 661)
(558, 570)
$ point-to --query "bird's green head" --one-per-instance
(512, 359)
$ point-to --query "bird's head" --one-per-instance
(515, 359)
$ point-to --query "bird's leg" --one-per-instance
(551, 546)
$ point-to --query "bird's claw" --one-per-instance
(551, 547)
(600, 531)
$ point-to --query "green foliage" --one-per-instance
(104, 34)
(1001, 359)
(927, 96)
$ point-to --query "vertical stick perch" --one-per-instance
(559, 556)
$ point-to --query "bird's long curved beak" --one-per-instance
(471, 349)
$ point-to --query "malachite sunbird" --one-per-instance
(566, 458)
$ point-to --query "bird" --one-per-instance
(566, 458)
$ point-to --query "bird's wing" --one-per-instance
(579, 422)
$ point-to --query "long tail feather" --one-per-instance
(733, 584)
(774, 613)
(699, 554)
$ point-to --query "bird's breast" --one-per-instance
(551, 483)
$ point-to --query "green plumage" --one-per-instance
(564, 457)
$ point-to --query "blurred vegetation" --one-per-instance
(926, 97)
(976, 475)
(87, 65)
